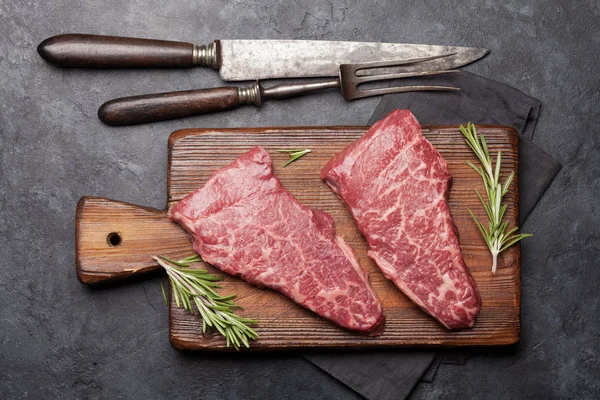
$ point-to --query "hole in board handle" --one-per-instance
(114, 239)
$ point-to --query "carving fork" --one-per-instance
(161, 106)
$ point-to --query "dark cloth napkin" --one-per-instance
(392, 373)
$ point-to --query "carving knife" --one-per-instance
(240, 60)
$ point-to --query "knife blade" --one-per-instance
(239, 60)
(265, 59)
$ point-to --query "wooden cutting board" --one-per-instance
(115, 240)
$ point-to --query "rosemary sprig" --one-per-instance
(196, 286)
(495, 235)
(294, 154)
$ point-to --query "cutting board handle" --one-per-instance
(115, 240)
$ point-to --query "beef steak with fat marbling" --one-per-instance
(395, 184)
(245, 223)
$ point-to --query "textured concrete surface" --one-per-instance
(60, 339)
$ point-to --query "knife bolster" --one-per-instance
(207, 55)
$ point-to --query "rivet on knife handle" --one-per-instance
(79, 50)
(162, 106)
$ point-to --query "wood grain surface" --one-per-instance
(195, 154)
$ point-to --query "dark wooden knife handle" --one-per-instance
(161, 106)
(77, 50)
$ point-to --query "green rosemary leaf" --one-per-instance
(225, 298)
(176, 296)
(495, 236)
(209, 279)
(194, 291)
(476, 168)
(164, 294)
(497, 172)
(513, 230)
(200, 273)
(192, 259)
(217, 307)
(503, 211)
(294, 154)
(509, 180)
(503, 228)
(234, 338)
(514, 239)
(489, 192)
(202, 312)
(181, 263)
(245, 340)
(480, 225)
(484, 149)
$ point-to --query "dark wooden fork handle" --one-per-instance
(163, 106)
(78, 50)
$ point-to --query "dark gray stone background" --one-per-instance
(61, 339)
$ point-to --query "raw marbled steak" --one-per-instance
(395, 184)
(245, 223)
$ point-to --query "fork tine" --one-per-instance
(372, 78)
(349, 80)
(359, 94)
